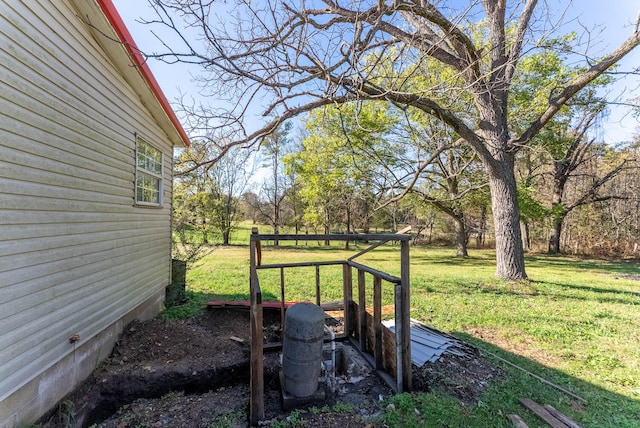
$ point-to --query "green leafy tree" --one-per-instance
(336, 168)
(208, 196)
(290, 58)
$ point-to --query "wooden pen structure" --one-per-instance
(389, 353)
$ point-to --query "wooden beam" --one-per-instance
(347, 293)
(542, 413)
(283, 305)
(405, 306)
(362, 311)
(561, 416)
(375, 272)
(335, 237)
(377, 322)
(318, 285)
(300, 264)
(517, 421)
(256, 410)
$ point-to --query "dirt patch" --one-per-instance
(195, 373)
(462, 377)
(517, 343)
(632, 276)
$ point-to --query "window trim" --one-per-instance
(141, 171)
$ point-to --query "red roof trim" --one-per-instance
(114, 18)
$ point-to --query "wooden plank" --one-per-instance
(383, 375)
(347, 293)
(389, 352)
(375, 272)
(243, 304)
(542, 413)
(362, 312)
(282, 301)
(335, 237)
(318, 285)
(404, 230)
(366, 250)
(256, 404)
(299, 264)
(517, 421)
(377, 322)
(397, 296)
(337, 306)
(259, 254)
(405, 305)
(561, 416)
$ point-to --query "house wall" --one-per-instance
(76, 255)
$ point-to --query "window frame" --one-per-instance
(142, 172)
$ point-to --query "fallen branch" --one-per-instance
(541, 379)
(542, 413)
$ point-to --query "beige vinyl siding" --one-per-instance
(75, 253)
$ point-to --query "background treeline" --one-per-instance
(456, 168)
(366, 167)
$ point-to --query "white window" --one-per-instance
(148, 174)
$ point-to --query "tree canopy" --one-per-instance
(281, 59)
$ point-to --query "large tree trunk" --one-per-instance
(461, 237)
(554, 239)
(482, 227)
(557, 209)
(506, 220)
(526, 237)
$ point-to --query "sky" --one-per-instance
(615, 16)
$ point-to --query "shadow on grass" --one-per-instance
(535, 288)
(480, 258)
(600, 408)
(564, 261)
(631, 294)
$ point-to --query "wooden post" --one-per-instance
(406, 316)
(397, 299)
(362, 311)
(318, 285)
(377, 321)
(282, 305)
(257, 365)
(347, 298)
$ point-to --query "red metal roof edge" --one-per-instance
(125, 37)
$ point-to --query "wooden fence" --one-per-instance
(357, 321)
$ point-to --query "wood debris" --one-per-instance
(564, 418)
(548, 414)
(517, 421)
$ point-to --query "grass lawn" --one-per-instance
(575, 323)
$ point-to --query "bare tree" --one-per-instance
(285, 58)
(274, 188)
(580, 163)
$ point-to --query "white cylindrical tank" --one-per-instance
(302, 349)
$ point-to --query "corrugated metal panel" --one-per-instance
(428, 344)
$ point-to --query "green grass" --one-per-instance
(575, 323)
